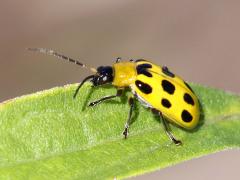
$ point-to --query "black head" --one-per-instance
(104, 75)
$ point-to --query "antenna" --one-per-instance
(60, 56)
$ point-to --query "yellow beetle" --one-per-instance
(157, 88)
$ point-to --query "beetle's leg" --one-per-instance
(118, 94)
(80, 85)
(118, 59)
(167, 72)
(131, 103)
(167, 128)
(168, 132)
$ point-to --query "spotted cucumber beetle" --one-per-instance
(157, 88)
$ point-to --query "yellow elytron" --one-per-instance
(165, 93)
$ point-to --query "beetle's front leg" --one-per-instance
(118, 94)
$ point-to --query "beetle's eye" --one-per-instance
(104, 78)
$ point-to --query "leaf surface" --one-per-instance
(49, 135)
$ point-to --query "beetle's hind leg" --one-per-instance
(167, 128)
(131, 103)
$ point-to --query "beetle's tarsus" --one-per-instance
(92, 104)
(125, 133)
(177, 142)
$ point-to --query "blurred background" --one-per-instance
(198, 40)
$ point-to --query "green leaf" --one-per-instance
(49, 135)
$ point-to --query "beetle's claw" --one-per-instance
(125, 133)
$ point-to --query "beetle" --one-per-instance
(156, 87)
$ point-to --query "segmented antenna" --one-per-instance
(60, 56)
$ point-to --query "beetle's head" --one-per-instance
(104, 75)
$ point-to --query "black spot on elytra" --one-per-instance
(186, 116)
(142, 69)
(188, 99)
(166, 103)
(144, 87)
(188, 86)
(140, 60)
(145, 72)
(144, 66)
(166, 71)
(168, 86)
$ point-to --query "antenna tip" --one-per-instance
(41, 50)
(31, 49)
